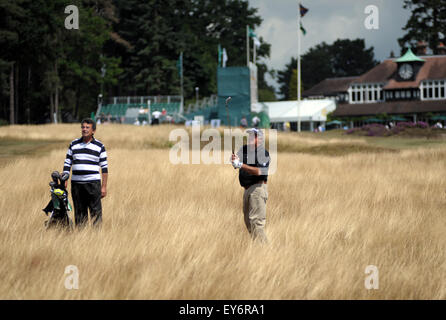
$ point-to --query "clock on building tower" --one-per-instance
(405, 71)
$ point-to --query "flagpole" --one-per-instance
(298, 66)
(182, 93)
(254, 47)
(247, 45)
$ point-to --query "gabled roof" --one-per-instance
(329, 86)
(434, 68)
(380, 73)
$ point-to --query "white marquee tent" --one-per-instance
(310, 110)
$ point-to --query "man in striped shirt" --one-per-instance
(85, 156)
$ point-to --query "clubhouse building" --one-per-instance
(412, 87)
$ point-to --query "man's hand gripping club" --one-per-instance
(235, 161)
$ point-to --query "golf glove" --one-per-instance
(237, 164)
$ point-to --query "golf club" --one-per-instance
(229, 122)
(64, 176)
(55, 176)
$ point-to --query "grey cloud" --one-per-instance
(328, 20)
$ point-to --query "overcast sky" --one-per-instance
(328, 20)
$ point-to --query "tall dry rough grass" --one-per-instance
(177, 231)
(139, 137)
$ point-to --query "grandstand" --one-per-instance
(234, 82)
(128, 109)
(207, 108)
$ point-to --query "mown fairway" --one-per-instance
(336, 205)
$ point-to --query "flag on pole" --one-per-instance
(256, 42)
(254, 36)
(303, 29)
(302, 10)
(224, 58)
(251, 33)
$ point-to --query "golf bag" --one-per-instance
(58, 207)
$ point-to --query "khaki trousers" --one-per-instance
(254, 210)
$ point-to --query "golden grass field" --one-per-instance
(336, 205)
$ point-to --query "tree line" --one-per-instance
(122, 47)
(131, 47)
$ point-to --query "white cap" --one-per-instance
(258, 132)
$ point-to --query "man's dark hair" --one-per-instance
(89, 121)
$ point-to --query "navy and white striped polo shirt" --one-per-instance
(86, 159)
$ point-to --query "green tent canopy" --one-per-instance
(334, 122)
(438, 118)
(374, 120)
(397, 118)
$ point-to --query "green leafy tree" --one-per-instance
(82, 60)
(46, 69)
(284, 78)
(13, 16)
(317, 65)
(293, 86)
(426, 23)
(351, 57)
(266, 91)
(340, 59)
(54, 66)
(159, 30)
